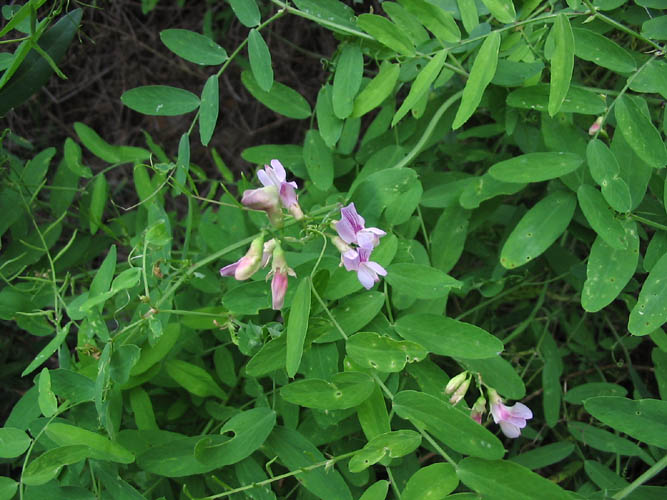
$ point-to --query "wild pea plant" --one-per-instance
(467, 260)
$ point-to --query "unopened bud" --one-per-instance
(595, 127)
(455, 382)
(478, 409)
(251, 261)
(460, 392)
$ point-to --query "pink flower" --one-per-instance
(279, 271)
(367, 271)
(510, 418)
(276, 176)
(595, 127)
(351, 228)
(478, 409)
(247, 265)
(266, 199)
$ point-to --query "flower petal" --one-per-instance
(229, 269)
(366, 277)
(511, 431)
(377, 268)
(287, 194)
(350, 214)
(279, 170)
(520, 410)
(346, 231)
(264, 178)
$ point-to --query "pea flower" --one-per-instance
(276, 176)
(266, 199)
(367, 271)
(595, 127)
(352, 230)
(279, 272)
(455, 382)
(478, 409)
(510, 418)
(247, 265)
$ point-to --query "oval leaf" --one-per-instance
(160, 100)
(391, 444)
(639, 132)
(193, 47)
(422, 282)
(347, 80)
(209, 109)
(260, 60)
(448, 337)
(601, 218)
(383, 353)
(538, 229)
(431, 482)
(281, 99)
(650, 312)
(297, 326)
(387, 33)
(535, 167)
(346, 390)
(562, 63)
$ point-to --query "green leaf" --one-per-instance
(448, 337)
(296, 452)
(449, 236)
(373, 415)
(246, 11)
(209, 109)
(503, 479)
(652, 78)
(30, 71)
(249, 472)
(347, 80)
(562, 63)
(330, 13)
(194, 379)
(48, 465)
(655, 28)
(377, 491)
(422, 282)
(13, 442)
(98, 199)
(503, 10)
(538, 229)
(432, 482)
(102, 149)
(577, 395)
(297, 326)
(142, 408)
(346, 390)
(606, 171)
(183, 160)
(592, 46)
(609, 269)
(544, 455)
(391, 444)
(469, 14)
(193, 47)
(249, 429)
(330, 126)
(650, 312)
(644, 419)
(100, 447)
(639, 132)
(8, 486)
(576, 101)
(535, 167)
(484, 188)
(160, 100)
(48, 404)
(481, 74)
(602, 440)
(421, 85)
(260, 60)
(451, 426)
(319, 160)
(152, 354)
(437, 20)
(377, 90)
(601, 217)
(383, 353)
(48, 350)
(281, 99)
(387, 33)
(499, 374)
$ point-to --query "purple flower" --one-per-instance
(266, 199)
(510, 418)
(275, 175)
(367, 271)
(247, 265)
(279, 272)
(351, 228)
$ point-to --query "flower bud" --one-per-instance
(460, 392)
(455, 382)
(478, 409)
(267, 199)
(279, 270)
(340, 244)
(251, 261)
(595, 127)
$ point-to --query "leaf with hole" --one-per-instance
(383, 353)
(391, 444)
(346, 390)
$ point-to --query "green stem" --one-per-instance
(429, 130)
(654, 470)
(326, 309)
(326, 463)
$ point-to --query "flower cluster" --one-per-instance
(510, 418)
(258, 256)
(355, 241)
(276, 192)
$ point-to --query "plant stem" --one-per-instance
(654, 470)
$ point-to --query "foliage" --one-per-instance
(476, 214)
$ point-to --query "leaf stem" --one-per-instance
(652, 471)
